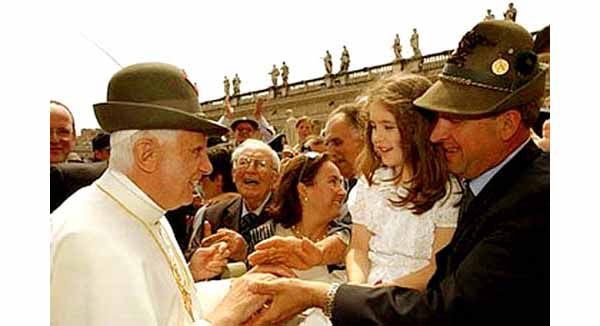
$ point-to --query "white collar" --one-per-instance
(130, 195)
(260, 208)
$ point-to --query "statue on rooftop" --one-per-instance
(285, 72)
(414, 43)
(489, 15)
(345, 59)
(328, 63)
(226, 86)
(511, 13)
(236, 85)
(397, 48)
(274, 75)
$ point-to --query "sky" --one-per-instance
(213, 39)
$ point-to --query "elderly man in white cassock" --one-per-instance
(114, 259)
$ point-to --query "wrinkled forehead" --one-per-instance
(257, 153)
(194, 136)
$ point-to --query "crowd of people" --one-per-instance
(419, 203)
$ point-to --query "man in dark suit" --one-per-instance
(495, 270)
(66, 178)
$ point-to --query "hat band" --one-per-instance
(467, 77)
(469, 82)
(186, 106)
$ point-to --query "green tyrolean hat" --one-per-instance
(493, 69)
(153, 96)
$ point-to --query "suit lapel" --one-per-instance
(231, 218)
(475, 217)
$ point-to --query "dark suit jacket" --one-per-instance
(66, 178)
(180, 219)
(227, 214)
(495, 270)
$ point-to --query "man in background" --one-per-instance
(101, 147)
(62, 132)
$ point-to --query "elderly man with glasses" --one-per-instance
(255, 170)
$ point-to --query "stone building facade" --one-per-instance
(317, 97)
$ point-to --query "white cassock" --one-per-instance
(115, 261)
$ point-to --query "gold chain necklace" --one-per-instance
(175, 270)
(299, 234)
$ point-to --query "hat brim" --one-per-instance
(451, 97)
(115, 116)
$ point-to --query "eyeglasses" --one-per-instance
(245, 162)
(310, 156)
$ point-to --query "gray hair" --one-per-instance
(255, 144)
(121, 145)
(353, 114)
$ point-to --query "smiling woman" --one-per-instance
(309, 196)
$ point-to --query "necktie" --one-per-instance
(247, 221)
(466, 199)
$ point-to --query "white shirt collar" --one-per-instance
(257, 211)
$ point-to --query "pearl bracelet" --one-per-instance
(328, 309)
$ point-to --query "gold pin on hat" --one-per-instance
(500, 66)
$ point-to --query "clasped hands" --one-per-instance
(287, 251)
(275, 300)
(215, 251)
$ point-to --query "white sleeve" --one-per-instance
(266, 129)
(358, 203)
(223, 120)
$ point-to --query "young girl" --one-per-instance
(404, 205)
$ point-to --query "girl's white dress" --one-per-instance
(401, 242)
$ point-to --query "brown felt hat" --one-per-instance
(493, 69)
(153, 96)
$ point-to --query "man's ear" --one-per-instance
(509, 123)
(147, 154)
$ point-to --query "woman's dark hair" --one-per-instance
(423, 159)
(285, 207)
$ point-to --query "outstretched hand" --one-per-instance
(258, 108)
(544, 141)
(228, 109)
(288, 251)
(209, 261)
(234, 241)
